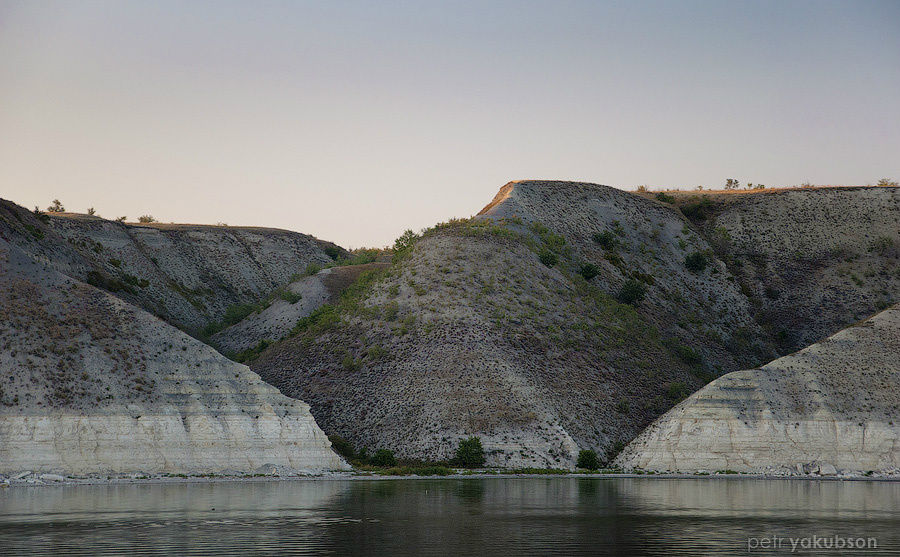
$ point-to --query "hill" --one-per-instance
(568, 316)
(827, 408)
(189, 275)
(92, 384)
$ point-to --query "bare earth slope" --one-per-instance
(187, 274)
(832, 406)
(278, 319)
(92, 384)
(812, 260)
(470, 333)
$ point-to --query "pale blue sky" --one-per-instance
(355, 120)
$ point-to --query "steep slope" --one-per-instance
(812, 260)
(187, 274)
(92, 384)
(470, 333)
(831, 405)
(301, 298)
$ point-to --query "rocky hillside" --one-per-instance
(93, 384)
(294, 302)
(811, 261)
(828, 408)
(187, 274)
(562, 317)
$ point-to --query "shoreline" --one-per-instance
(349, 476)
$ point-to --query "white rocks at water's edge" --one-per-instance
(830, 409)
(94, 385)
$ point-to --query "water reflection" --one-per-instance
(503, 516)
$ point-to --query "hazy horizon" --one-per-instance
(353, 122)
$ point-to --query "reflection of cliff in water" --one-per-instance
(497, 516)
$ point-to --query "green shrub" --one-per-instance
(548, 258)
(288, 296)
(35, 231)
(614, 450)
(589, 271)
(350, 363)
(252, 353)
(332, 251)
(665, 198)
(115, 262)
(342, 447)
(470, 453)
(404, 244)
(696, 262)
(687, 354)
(383, 457)
(588, 460)
(100, 280)
(607, 240)
(632, 292)
(698, 210)
(678, 391)
(312, 269)
(623, 406)
(134, 281)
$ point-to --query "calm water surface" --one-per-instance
(497, 516)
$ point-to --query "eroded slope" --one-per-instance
(470, 333)
(833, 405)
(187, 274)
(92, 384)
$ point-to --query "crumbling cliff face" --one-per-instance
(92, 384)
(830, 407)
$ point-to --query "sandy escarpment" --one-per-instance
(831, 406)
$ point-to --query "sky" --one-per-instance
(354, 121)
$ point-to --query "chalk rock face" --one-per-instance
(832, 406)
(91, 384)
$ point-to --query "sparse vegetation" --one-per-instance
(607, 240)
(665, 198)
(56, 207)
(677, 391)
(470, 453)
(404, 244)
(250, 354)
(548, 258)
(146, 219)
(632, 292)
(383, 457)
(696, 262)
(589, 271)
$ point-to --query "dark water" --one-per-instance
(502, 516)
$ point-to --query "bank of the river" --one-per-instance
(35, 480)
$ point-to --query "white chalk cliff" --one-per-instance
(90, 384)
(832, 406)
